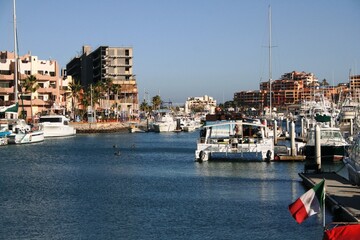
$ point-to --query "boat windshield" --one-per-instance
(52, 119)
(330, 134)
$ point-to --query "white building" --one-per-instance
(205, 104)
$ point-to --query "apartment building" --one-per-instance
(114, 63)
(291, 89)
(204, 103)
(48, 95)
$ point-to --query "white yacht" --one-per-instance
(333, 144)
(56, 126)
(164, 122)
(236, 141)
(22, 133)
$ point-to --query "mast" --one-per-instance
(270, 67)
(15, 58)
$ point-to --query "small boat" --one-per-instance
(22, 133)
(4, 133)
(235, 141)
(135, 128)
(352, 162)
(56, 126)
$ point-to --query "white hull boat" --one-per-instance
(56, 126)
(235, 141)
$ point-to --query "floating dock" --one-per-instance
(341, 195)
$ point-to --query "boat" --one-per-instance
(333, 144)
(56, 126)
(241, 140)
(164, 122)
(22, 133)
(348, 116)
(352, 162)
(4, 133)
(134, 127)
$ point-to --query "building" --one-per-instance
(250, 99)
(103, 64)
(200, 104)
(292, 89)
(49, 94)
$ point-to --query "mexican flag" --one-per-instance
(309, 203)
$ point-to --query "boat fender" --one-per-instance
(268, 156)
(202, 156)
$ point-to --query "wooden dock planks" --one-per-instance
(344, 198)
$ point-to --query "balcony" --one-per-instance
(47, 91)
(7, 90)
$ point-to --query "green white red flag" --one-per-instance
(309, 203)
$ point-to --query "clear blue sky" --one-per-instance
(185, 48)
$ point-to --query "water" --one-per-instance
(144, 186)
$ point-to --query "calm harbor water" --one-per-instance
(144, 186)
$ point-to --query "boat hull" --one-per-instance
(25, 138)
(243, 152)
(328, 153)
(165, 127)
(58, 131)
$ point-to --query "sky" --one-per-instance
(192, 48)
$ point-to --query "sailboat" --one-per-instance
(21, 132)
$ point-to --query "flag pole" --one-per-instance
(324, 205)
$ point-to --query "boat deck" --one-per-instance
(341, 195)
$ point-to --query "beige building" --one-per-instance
(114, 63)
(49, 94)
(206, 104)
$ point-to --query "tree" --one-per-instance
(144, 106)
(156, 102)
(31, 86)
(75, 89)
(324, 83)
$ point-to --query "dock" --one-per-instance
(342, 197)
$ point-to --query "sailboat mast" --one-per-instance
(270, 67)
(15, 58)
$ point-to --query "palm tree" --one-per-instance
(156, 101)
(75, 89)
(31, 86)
(115, 89)
(144, 106)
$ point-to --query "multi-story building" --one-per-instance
(248, 99)
(108, 63)
(46, 72)
(206, 104)
(291, 89)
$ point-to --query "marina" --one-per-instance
(86, 154)
(152, 189)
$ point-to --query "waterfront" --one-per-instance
(144, 186)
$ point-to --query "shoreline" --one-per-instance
(99, 127)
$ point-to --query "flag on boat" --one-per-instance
(309, 203)
(347, 232)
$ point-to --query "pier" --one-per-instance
(341, 196)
